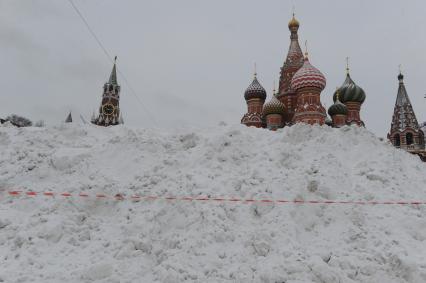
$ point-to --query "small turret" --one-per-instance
(255, 96)
(273, 112)
(405, 131)
(338, 112)
(353, 96)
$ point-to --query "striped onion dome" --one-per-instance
(273, 106)
(338, 108)
(350, 91)
(308, 76)
(255, 90)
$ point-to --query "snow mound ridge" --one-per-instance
(75, 240)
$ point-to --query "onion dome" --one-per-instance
(255, 90)
(273, 106)
(308, 76)
(293, 23)
(350, 92)
(338, 108)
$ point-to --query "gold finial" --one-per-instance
(400, 69)
(115, 59)
(347, 65)
(293, 10)
(293, 24)
(255, 71)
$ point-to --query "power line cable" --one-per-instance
(108, 55)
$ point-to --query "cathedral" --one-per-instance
(109, 111)
(298, 97)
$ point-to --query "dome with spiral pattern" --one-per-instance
(350, 92)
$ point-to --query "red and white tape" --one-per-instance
(121, 197)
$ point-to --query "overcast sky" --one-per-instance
(189, 61)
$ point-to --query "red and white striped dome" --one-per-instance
(308, 76)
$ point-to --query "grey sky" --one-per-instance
(190, 60)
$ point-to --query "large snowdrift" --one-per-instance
(45, 239)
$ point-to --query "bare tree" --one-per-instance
(19, 121)
(39, 123)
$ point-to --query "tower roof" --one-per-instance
(255, 90)
(69, 118)
(338, 108)
(350, 91)
(293, 23)
(308, 76)
(293, 61)
(403, 115)
(113, 77)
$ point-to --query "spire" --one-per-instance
(400, 76)
(403, 116)
(347, 65)
(293, 62)
(306, 49)
(113, 76)
(273, 90)
(69, 118)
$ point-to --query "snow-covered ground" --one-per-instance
(58, 239)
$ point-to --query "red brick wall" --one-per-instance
(338, 120)
(314, 112)
(274, 121)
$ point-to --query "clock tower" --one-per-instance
(109, 112)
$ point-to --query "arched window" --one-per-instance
(396, 140)
(409, 138)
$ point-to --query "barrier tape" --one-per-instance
(121, 197)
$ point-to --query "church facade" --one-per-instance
(298, 99)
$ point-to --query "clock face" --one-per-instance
(108, 109)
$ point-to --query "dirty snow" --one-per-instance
(46, 239)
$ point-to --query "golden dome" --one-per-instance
(293, 23)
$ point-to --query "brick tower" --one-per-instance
(338, 113)
(255, 96)
(292, 64)
(308, 82)
(405, 132)
(273, 113)
(109, 112)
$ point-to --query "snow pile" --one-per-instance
(46, 239)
